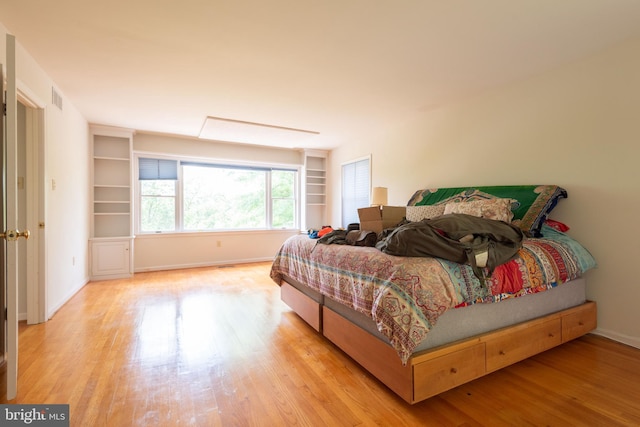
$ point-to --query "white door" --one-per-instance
(10, 209)
(31, 207)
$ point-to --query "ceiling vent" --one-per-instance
(228, 130)
(56, 98)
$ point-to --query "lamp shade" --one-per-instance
(379, 196)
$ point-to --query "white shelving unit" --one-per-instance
(111, 240)
(315, 189)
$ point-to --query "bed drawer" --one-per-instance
(303, 305)
(373, 354)
(522, 342)
(579, 321)
(448, 371)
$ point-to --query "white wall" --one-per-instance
(576, 126)
(184, 250)
(194, 147)
(170, 251)
(67, 203)
(66, 162)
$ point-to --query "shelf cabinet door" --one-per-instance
(110, 259)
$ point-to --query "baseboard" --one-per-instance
(203, 264)
(70, 294)
(624, 339)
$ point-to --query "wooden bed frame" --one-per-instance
(436, 370)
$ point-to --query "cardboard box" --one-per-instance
(378, 218)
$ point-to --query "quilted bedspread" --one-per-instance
(406, 295)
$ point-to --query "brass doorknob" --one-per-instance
(11, 235)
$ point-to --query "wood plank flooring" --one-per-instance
(217, 347)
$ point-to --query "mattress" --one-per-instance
(468, 321)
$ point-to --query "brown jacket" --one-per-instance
(458, 238)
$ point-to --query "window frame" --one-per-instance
(138, 209)
(179, 197)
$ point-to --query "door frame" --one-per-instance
(34, 216)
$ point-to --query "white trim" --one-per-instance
(205, 264)
(67, 298)
(622, 338)
(206, 233)
(111, 131)
(357, 159)
(27, 97)
(216, 160)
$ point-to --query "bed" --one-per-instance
(422, 324)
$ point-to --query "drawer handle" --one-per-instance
(454, 371)
(502, 353)
(581, 323)
(550, 335)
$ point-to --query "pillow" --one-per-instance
(532, 207)
(496, 209)
(560, 226)
(418, 213)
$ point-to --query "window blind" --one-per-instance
(355, 189)
(155, 169)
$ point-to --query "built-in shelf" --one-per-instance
(315, 186)
(112, 218)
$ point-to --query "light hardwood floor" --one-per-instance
(217, 347)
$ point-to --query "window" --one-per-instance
(355, 189)
(217, 198)
(283, 199)
(157, 206)
(211, 197)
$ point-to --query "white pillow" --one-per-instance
(418, 213)
(497, 209)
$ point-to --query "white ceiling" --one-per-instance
(343, 68)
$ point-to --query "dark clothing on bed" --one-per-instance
(441, 237)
